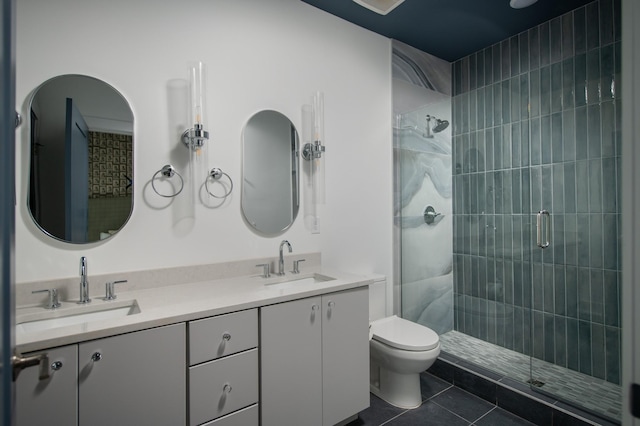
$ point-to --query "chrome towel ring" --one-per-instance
(216, 174)
(167, 171)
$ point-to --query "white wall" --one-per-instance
(260, 55)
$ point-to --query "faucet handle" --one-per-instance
(110, 291)
(53, 297)
(265, 271)
(296, 267)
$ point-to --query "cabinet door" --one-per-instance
(134, 379)
(53, 401)
(345, 354)
(291, 364)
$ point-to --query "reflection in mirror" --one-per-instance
(270, 172)
(81, 171)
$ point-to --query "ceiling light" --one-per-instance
(519, 4)
(381, 6)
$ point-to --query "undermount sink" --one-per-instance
(72, 315)
(292, 282)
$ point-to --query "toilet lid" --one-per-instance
(402, 334)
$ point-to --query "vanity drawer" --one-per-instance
(222, 386)
(223, 335)
(246, 417)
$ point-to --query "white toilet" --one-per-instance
(399, 351)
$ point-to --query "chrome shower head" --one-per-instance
(440, 125)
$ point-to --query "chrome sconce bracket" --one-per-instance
(312, 151)
(194, 138)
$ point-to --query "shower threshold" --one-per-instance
(592, 394)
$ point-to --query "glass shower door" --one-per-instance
(575, 176)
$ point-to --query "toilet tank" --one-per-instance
(377, 297)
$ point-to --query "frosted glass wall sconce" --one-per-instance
(313, 153)
(195, 137)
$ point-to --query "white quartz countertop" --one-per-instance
(179, 303)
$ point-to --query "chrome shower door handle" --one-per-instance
(542, 220)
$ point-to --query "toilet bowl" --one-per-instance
(399, 351)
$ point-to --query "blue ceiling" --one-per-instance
(449, 29)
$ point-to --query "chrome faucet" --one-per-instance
(281, 262)
(84, 282)
(53, 303)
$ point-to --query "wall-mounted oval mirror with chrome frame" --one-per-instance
(270, 172)
(81, 162)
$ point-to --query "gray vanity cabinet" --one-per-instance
(134, 379)
(53, 401)
(315, 359)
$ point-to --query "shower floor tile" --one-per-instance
(590, 393)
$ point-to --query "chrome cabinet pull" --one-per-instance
(542, 220)
(57, 365)
(331, 304)
(97, 356)
(226, 388)
(315, 307)
(19, 363)
(226, 336)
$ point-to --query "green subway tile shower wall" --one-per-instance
(537, 126)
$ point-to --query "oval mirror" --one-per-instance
(81, 162)
(269, 172)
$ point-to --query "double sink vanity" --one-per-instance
(224, 344)
(213, 344)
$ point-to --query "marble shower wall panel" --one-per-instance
(426, 249)
(536, 125)
(418, 78)
(422, 164)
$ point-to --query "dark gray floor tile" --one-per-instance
(562, 419)
(521, 405)
(378, 412)
(429, 413)
(502, 418)
(477, 385)
(464, 404)
(431, 385)
(443, 370)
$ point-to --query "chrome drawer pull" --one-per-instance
(226, 336)
(226, 388)
(97, 356)
(57, 365)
